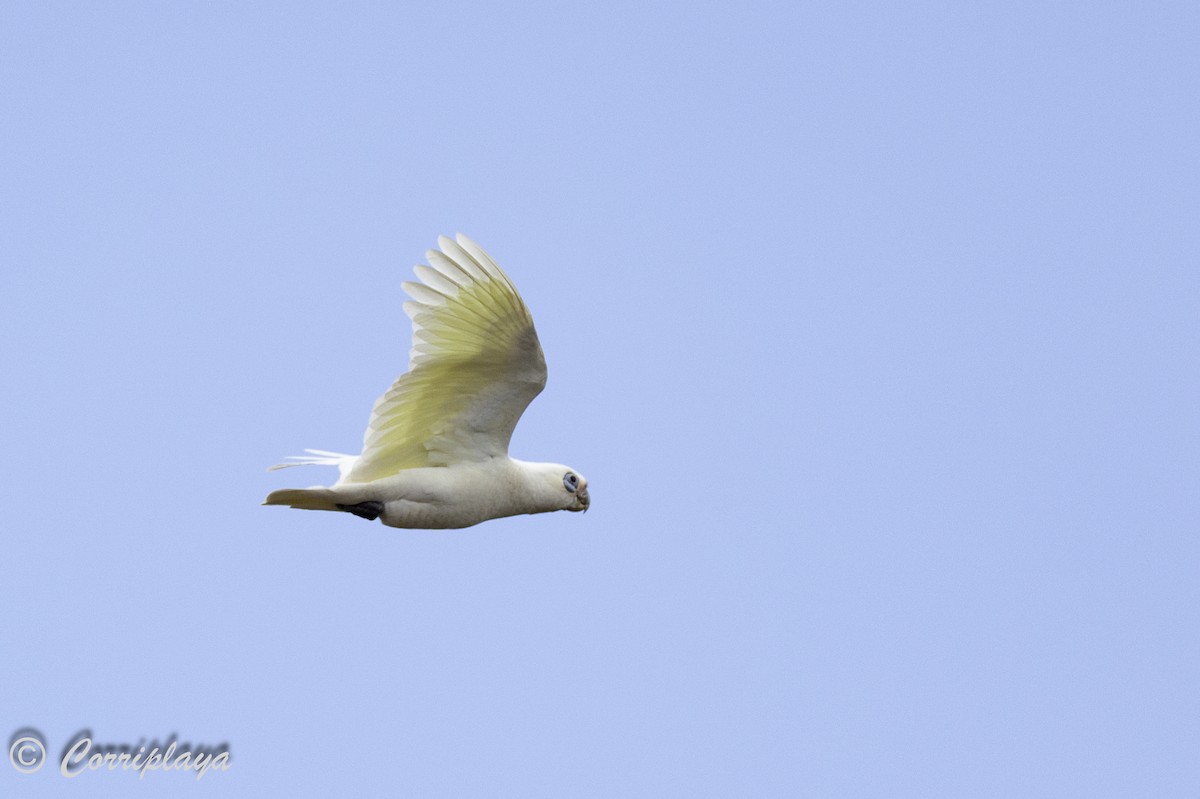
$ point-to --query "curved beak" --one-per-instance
(584, 499)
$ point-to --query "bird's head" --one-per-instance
(575, 484)
(557, 487)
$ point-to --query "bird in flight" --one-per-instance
(435, 454)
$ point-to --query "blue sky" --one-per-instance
(873, 327)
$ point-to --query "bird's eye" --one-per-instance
(571, 482)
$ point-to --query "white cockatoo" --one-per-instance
(435, 454)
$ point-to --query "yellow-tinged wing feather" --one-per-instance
(475, 366)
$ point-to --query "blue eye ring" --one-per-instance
(570, 482)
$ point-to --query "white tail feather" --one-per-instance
(315, 498)
(320, 457)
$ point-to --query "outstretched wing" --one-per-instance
(475, 365)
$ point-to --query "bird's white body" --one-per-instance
(435, 454)
(441, 497)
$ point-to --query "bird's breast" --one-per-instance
(448, 497)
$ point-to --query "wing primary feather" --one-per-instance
(424, 294)
(486, 262)
(464, 260)
(438, 280)
(451, 269)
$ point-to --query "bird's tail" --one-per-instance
(316, 498)
(320, 457)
